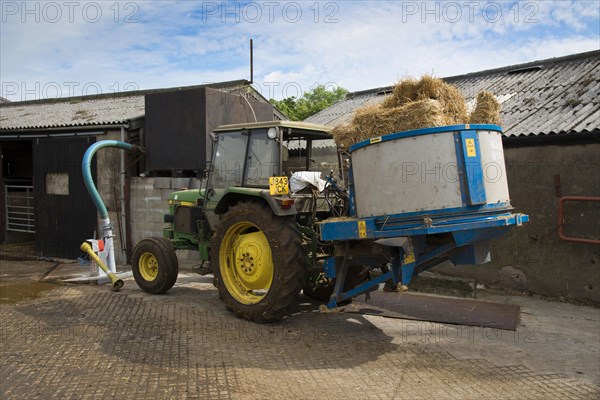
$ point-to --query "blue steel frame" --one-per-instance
(476, 222)
(465, 231)
(349, 229)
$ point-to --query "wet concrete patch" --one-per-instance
(13, 272)
(18, 292)
(20, 251)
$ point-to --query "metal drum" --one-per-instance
(450, 170)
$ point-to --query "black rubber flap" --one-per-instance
(438, 309)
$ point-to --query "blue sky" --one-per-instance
(56, 48)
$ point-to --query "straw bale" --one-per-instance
(449, 96)
(344, 135)
(404, 92)
(414, 104)
(486, 111)
(428, 87)
(375, 120)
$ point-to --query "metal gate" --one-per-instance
(19, 204)
(65, 214)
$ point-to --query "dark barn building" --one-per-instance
(42, 142)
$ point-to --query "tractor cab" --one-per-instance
(286, 163)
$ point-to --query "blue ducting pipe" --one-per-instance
(87, 171)
(105, 225)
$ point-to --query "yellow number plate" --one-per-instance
(278, 185)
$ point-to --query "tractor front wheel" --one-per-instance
(154, 265)
(258, 262)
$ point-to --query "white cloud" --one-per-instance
(372, 43)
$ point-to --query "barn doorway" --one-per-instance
(16, 191)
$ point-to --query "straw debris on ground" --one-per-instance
(415, 104)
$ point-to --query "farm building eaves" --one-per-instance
(71, 113)
(88, 112)
(547, 97)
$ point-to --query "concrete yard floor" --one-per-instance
(87, 342)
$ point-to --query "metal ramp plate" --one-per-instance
(445, 310)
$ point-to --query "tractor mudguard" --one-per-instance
(235, 195)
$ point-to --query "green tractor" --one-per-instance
(258, 239)
(281, 212)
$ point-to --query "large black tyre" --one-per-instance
(154, 265)
(258, 262)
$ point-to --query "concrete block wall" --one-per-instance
(532, 258)
(108, 181)
(149, 203)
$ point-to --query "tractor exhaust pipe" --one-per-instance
(116, 282)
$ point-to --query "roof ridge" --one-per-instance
(131, 93)
(554, 60)
(508, 68)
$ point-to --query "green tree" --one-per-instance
(310, 103)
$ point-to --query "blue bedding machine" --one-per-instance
(420, 197)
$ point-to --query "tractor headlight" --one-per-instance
(272, 133)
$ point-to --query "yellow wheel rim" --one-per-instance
(148, 267)
(246, 263)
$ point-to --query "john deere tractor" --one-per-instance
(257, 239)
(281, 211)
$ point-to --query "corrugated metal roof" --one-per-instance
(554, 96)
(104, 109)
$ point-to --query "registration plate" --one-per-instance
(278, 185)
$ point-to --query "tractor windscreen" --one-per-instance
(262, 160)
(228, 161)
(244, 160)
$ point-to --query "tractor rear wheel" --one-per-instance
(154, 265)
(258, 262)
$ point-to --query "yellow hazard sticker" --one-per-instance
(375, 140)
(409, 258)
(362, 229)
(470, 144)
(278, 185)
